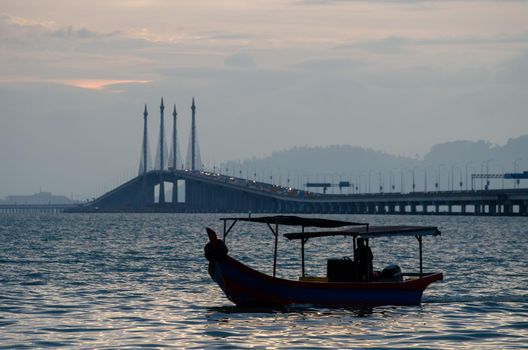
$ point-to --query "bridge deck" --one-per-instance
(209, 192)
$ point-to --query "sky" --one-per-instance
(394, 75)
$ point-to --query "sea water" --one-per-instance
(140, 280)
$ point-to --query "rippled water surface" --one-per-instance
(125, 280)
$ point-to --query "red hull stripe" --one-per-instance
(246, 286)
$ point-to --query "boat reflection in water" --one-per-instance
(346, 284)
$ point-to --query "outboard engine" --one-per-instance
(391, 272)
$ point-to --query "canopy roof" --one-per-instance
(296, 221)
(370, 232)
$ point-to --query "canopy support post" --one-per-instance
(226, 231)
(419, 238)
(276, 234)
(354, 247)
(303, 241)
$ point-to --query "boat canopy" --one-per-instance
(370, 232)
(362, 229)
(291, 220)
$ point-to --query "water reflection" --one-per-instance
(107, 281)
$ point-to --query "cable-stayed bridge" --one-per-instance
(174, 185)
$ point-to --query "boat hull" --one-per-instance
(245, 286)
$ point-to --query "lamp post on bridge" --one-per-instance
(467, 167)
(425, 176)
(516, 169)
(438, 174)
(364, 176)
(413, 179)
(370, 172)
(487, 173)
(460, 183)
(453, 166)
(402, 180)
(502, 173)
(391, 180)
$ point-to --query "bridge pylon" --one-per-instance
(161, 156)
(175, 155)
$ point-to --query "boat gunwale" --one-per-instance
(417, 283)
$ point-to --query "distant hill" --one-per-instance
(447, 161)
(37, 198)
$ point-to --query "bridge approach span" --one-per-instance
(199, 191)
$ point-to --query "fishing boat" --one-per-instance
(343, 286)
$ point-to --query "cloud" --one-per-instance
(19, 27)
(100, 84)
(401, 45)
(328, 64)
(402, 2)
(80, 33)
(240, 60)
(217, 35)
(21, 33)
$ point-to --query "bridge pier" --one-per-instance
(523, 208)
(493, 207)
(175, 191)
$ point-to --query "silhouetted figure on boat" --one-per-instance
(363, 256)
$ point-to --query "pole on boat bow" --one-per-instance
(419, 238)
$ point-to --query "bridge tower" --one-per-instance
(193, 137)
(161, 154)
(193, 159)
(173, 162)
(144, 163)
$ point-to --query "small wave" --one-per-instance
(33, 283)
(246, 309)
(51, 344)
(220, 334)
(7, 323)
(476, 299)
(78, 329)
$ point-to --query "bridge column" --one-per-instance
(280, 206)
(478, 208)
(175, 191)
(492, 208)
(361, 208)
(507, 209)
